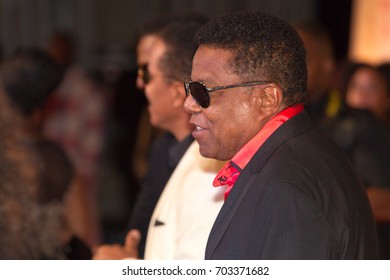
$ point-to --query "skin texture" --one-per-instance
(321, 67)
(235, 115)
(159, 108)
(165, 97)
(144, 47)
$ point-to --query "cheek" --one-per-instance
(229, 129)
(214, 141)
(240, 117)
(151, 91)
(160, 113)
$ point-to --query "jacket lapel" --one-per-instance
(290, 129)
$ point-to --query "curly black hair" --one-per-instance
(29, 76)
(264, 47)
(178, 37)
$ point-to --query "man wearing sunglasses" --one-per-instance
(187, 207)
(291, 193)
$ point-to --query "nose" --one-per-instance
(140, 83)
(190, 105)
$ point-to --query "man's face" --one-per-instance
(367, 90)
(232, 118)
(144, 47)
(159, 91)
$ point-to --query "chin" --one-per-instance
(205, 152)
(209, 154)
(154, 122)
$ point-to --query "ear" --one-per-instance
(179, 94)
(271, 99)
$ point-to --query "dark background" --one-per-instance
(336, 17)
(105, 34)
(105, 30)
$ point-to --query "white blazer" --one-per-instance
(186, 210)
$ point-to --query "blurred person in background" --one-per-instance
(29, 77)
(323, 101)
(367, 88)
(119, 184)
(146, 38)
(364, 139)
(188, 204)
(384, 68)
(162, 157)
(75, 119)
(29, 229)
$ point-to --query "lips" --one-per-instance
(197, 128)
(196, 125)
(198, 132)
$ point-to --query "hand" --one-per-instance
(118, 252)
(380, 203)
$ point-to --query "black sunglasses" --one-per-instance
(201, 93)
(143, 73)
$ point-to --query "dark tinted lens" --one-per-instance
(143, 73)
(200, 94)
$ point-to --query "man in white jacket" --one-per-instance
(186, 210)
(188, 206)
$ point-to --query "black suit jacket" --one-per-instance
(298, 198)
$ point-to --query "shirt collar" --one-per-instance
(242, 158)
(231, 171)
